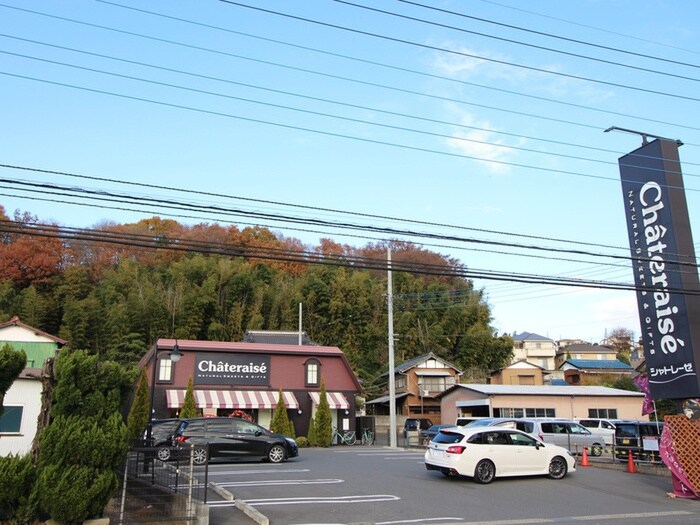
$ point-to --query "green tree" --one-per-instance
(17, 478)
(86, 441)
(280, 419)
(189, 408)
(12, 362)
(324, 421)
(311, 437)
(138, 416)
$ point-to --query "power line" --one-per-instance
(162, 242)
(468, 55)
(551, 35)
(384, 65)
(588, 26)
(102, 194)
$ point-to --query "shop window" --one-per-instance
(312, 367)
(11, 419)
(165, 370)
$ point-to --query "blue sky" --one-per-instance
(487, 127)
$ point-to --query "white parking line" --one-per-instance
(425, 520)
(280, 482)
(372, 498)
(568, 519)
(257, 471)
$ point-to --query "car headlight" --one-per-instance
(291, 441)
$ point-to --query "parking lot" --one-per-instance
(382, 486)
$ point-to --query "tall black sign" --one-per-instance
(664, 265)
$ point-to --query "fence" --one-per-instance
(155, 491)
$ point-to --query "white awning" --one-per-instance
(432, 373)
(232, 399)
(336, 400)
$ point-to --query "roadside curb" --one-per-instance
(257, 516)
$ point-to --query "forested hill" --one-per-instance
(113, 289)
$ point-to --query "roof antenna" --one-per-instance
(643, 134)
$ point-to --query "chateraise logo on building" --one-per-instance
(232, 369)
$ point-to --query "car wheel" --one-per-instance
(485, 471)
(558, 467)
(199, 456)
(597, 449)
(276, 454)
(164, 454)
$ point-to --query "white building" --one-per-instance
(535, 349)
(22, 402)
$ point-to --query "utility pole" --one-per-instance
(300, 324)
(392, 386)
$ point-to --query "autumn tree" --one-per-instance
(26, 258)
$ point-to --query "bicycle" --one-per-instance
(367, 437)
(346, 438)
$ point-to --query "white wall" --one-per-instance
(19, 333)
(27, 394)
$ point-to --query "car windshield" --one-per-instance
(448, 437)
(482, 422)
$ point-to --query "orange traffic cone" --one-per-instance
(630, 463)
(584, 459)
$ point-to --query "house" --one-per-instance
(535, 349)
(585, 351)
(243, 376)
(417, 382)
(22, 402)
(519, 373)
(568, 401)
(576, 371)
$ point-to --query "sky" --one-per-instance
(476, 128)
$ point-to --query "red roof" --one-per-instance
(267, 348)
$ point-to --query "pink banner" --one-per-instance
(642, 381)
(682, 488)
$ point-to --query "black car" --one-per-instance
(231, 438)
(162, 433)
(640, 438)
(429, 433)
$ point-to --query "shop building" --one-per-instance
(244, 376)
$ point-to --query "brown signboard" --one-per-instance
(665, 271)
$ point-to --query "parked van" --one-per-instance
(563, 432)
(641, 438)
(604, 427)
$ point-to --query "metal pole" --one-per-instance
(392, 385)
(149, 434)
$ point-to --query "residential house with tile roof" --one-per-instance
(585, 351)
(535, 349)
(22, 402)
(578, 371)
(417, 383)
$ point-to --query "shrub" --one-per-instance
(17, 477)
(324, 420)
(302, 442)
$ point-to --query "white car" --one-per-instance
(485, 453)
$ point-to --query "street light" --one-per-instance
(174, 356)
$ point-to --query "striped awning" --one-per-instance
(336, 400)
(232, 399)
